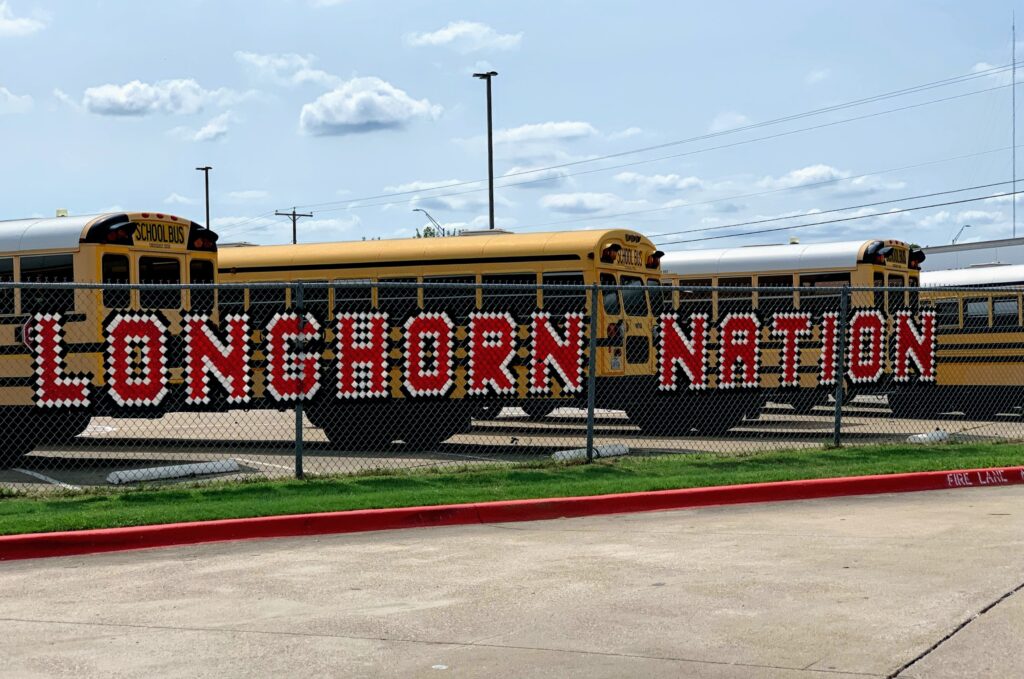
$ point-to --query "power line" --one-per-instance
(836, 209)
(295, 220)
(843, 219)
(755, 194)
(955, 80)
(694, 152)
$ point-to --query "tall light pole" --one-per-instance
(440, 229)
(205, 169)
(490, 141)
(959, 233)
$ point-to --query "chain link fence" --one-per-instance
(116, 385)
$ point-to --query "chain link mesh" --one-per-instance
(112, 386)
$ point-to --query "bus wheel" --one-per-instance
(17, 438)
(911, 406)
(58, 428)
(352, 428)
(429, 434)
(538, 409)
(658, 421)
(805, 402)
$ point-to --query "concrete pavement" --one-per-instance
(840, 587)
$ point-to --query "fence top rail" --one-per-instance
(357, 284)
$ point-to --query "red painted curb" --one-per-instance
(38, 545)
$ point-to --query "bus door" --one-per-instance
(611, 331)
(638, 325)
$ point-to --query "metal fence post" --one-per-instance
(844, 311)
(297, 304)
(592, 372)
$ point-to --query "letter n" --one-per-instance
(550, 351)
(913, 345)
(675, 350)
(227, 360)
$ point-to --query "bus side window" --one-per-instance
(634, 296)
(695, 296)
(264, 302)
(560, 301)
(160, 270)
(976, 312)
(314, 299)
(1004, 312)
(773, 293)
(399, 300)
(732, 298)
(610, 297)
(661, 296)
(47, 268)
(520, 302)
(200, 271)
(353, 296)
(821, 292)
(915, 296)
(878, 283)
(947, 313)
(7, 294)
(231, 302)
(896, 296)
(115, 270)
(458, 301)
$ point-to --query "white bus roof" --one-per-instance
(841, 255)
(49, 233)
(980, 275)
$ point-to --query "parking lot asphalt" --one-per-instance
(261, 442)
(859, 586)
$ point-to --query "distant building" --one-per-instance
(966, 255)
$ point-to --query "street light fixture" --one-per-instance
(490, 142)
(958, 233)
(205, 169)
(440, 229)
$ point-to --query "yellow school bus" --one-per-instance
(980, 353)
(813, 274)
(614, 257)
(121, 247)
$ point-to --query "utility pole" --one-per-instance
(1013, 114)
(490, 141)
(205, 169)
(295, 219)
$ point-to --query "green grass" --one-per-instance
(265, 498)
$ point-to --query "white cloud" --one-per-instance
(363, 105)
(812, 174)
(625, 134)
(549, 178)
(179, 97)
(12, 26)
(579, 203)
(246, 196)
(661, 183)
(14, 103)
(727, 121)
(466, 37)
(216, 128)
(566, 130)
(178, 199)
(817, 75)
(287, 69)
(456, 203)
(841, 182)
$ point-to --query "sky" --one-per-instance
(361, 112)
